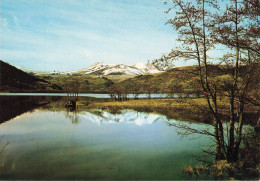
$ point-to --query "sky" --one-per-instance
(65, 35)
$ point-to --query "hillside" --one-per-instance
(179, 80)
(183, 80)
(15, 80)
(174, 80)
(88, 83)
(164, 82)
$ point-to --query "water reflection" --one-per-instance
(124, 116)
(72, 114)
(100, 117)
(14, 106)
(90, 143)
(104, 144)
(122, 150)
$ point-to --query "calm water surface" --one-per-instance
(82, 95)
(49, 142)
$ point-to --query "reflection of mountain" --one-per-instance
(127, 116)
(12, 106)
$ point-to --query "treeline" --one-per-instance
(180, 82)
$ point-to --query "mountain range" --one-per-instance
(118, 69)
(108, 69)
(98, 78)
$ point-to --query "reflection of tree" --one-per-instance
(72, 114)
(12, 106)
(3, 144)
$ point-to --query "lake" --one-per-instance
(82, 95)
(47, 141)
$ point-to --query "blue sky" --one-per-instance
(72, 34)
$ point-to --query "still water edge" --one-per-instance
(96, 144)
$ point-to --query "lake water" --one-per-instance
(49, 142)
(82, 95)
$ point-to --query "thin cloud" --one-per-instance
(74, 34)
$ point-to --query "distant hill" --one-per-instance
(164, 82)
(114, 72)
(181, 80)
(15, 80)
(100, 78)
(88, 83)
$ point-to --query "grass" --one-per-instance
(154, 103)
(196, 170)
(184, 109)
(221, 167)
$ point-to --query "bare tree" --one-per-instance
(237, 28)
(116, 92)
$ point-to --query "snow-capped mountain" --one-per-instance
(107, 69)
(93, 68)
(117, 69)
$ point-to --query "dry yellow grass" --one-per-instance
(152, 103)
(187, 170)
(189, 103)
(184, 109)
(198, 169)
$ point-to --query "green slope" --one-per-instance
(88, 83)
(181, 80)
(15, 80)
(186, 80)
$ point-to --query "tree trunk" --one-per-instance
(230, 153)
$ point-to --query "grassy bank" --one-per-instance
(185, 109)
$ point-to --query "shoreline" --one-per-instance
(185, 109)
